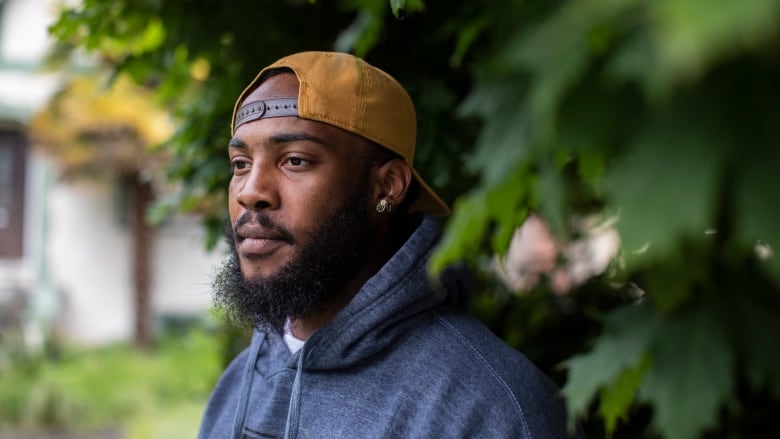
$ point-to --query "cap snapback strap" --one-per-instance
(265, 109)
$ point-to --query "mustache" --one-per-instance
(266, 222)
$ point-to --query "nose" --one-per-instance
(258, 190)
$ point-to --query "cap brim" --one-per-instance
(427, 201)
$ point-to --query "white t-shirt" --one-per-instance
(293, 343)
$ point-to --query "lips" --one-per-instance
(256, 241)
(259, 232)
(254, 248)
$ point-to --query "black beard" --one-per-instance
(311, 282)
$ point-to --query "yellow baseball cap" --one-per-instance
(342, 90)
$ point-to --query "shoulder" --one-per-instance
(477, 345)
(471, 353)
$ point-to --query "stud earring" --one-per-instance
(384, 205)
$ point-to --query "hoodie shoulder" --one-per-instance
(501, 374)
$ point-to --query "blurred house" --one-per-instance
(65, 247)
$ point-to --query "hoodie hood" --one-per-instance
(386, 306)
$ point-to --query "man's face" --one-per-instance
(300, 216)
(288, 175)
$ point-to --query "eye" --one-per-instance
(296, 161)
(239, 164)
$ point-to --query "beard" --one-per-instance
(312, 281)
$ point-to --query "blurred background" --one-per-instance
(93, 298)
(611, 167)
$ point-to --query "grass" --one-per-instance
(146, 395)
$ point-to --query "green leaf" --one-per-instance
(552, 194)
(691, 375)
(362, 34)
(687, 47)
(635, 60)
(759, 335)
(463, 233)
(672, 284)
(404, 8)
(758, 204)
(558, 53)
(508, 207)
(397, 6)
(504, 140)
(666, 185)
(467, 35)
(160, 210)
(499, 209)
(623, 344)
(549, 89)
(616, 399)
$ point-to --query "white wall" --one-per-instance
(24, 42)
(89, 255)
(24, 35)
(183, 268)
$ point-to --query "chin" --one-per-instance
(255, 274)
(259, 267)
(253, 270)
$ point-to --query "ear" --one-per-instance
(391, 181)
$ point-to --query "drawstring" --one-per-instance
(246, 385)
(294, 412)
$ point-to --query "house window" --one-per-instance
(12, 170)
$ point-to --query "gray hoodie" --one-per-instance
(399, 361)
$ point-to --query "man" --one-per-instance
(330, 238)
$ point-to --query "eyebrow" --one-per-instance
(283, 138)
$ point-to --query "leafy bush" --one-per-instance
(114, 387)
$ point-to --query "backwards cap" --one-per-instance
(342, 90)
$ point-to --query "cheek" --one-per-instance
(307, 206)
(234, 209)
(302, 203)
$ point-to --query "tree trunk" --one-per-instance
(140, 196)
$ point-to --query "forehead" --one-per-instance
(283, 85)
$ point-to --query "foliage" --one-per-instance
(658, 112)
(93, 125)
(78, 390)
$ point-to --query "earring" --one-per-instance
(384, 205)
